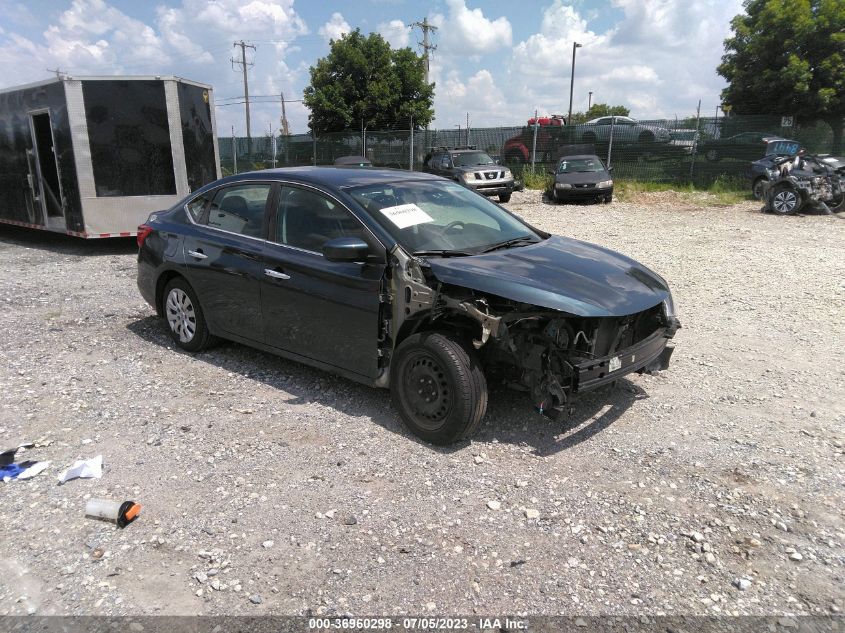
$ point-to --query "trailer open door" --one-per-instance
(45, 182)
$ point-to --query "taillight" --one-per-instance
(143, 231)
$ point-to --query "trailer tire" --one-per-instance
(438, 387)
(184, 316)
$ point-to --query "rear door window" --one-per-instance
(239, 209)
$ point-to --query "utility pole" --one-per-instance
(285, 126)
(467, 128)
(572, 80)
(426, 44)
(244, 66)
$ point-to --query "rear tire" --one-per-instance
(837, 205)
(785, 200)
(712, 155)
(757, 188)
(438, 387)
(185, 319)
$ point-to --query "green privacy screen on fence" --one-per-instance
(668, 150)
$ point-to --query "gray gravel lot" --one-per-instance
(268, 487)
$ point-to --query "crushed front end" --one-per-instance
(556, 357)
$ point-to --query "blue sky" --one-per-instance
(497, 60)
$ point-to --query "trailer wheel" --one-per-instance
(439, 388)
(185, 319)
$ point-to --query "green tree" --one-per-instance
(787, 57)
(598, 110)
(363, 80)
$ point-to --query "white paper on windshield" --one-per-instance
(405, 215)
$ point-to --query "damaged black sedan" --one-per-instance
(404, 281)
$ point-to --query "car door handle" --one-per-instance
(198, 254)
(275, 274)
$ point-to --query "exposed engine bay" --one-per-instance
(795, 182)
(552, 355)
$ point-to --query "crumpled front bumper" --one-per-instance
(649, 355)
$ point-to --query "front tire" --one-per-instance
(785, 200)
(504, 197)
(185, 319)
(438, 387)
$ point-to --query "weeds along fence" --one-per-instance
(699, 151)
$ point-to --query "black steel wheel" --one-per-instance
(185, 320)
(439, 388)
(785, 200)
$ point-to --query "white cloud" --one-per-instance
(335, 28)
(467, 32)
(396, 32)
(658, 59)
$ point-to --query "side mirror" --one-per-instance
(498, 161)
(551, 172)
(609, 169)
(346, 249)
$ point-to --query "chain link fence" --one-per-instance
(692, 150)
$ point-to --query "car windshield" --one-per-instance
(470, 159)
(440, 217)
(574, 165)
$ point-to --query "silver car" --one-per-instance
(625, 130)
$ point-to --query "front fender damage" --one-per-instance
(548, 353)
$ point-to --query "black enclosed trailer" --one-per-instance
(93, 156)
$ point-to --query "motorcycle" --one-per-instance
(794, 182)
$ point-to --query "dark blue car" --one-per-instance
(405, 281)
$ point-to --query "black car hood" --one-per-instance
(582, 177)
(558, 273)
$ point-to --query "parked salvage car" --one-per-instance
(404, 281)
(582, 177)
(472, 168)
(758, 171)
(625, 131)
(748, 146)
(795, 182)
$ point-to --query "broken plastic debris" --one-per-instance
(10, 470)
(84, 468)
(120, 512)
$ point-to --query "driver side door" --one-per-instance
(311, 307)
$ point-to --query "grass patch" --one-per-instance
(722, 191)
(536, 179)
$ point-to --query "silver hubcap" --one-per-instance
(180, 315)
(785, 201)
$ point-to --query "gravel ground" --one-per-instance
(268, 487)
